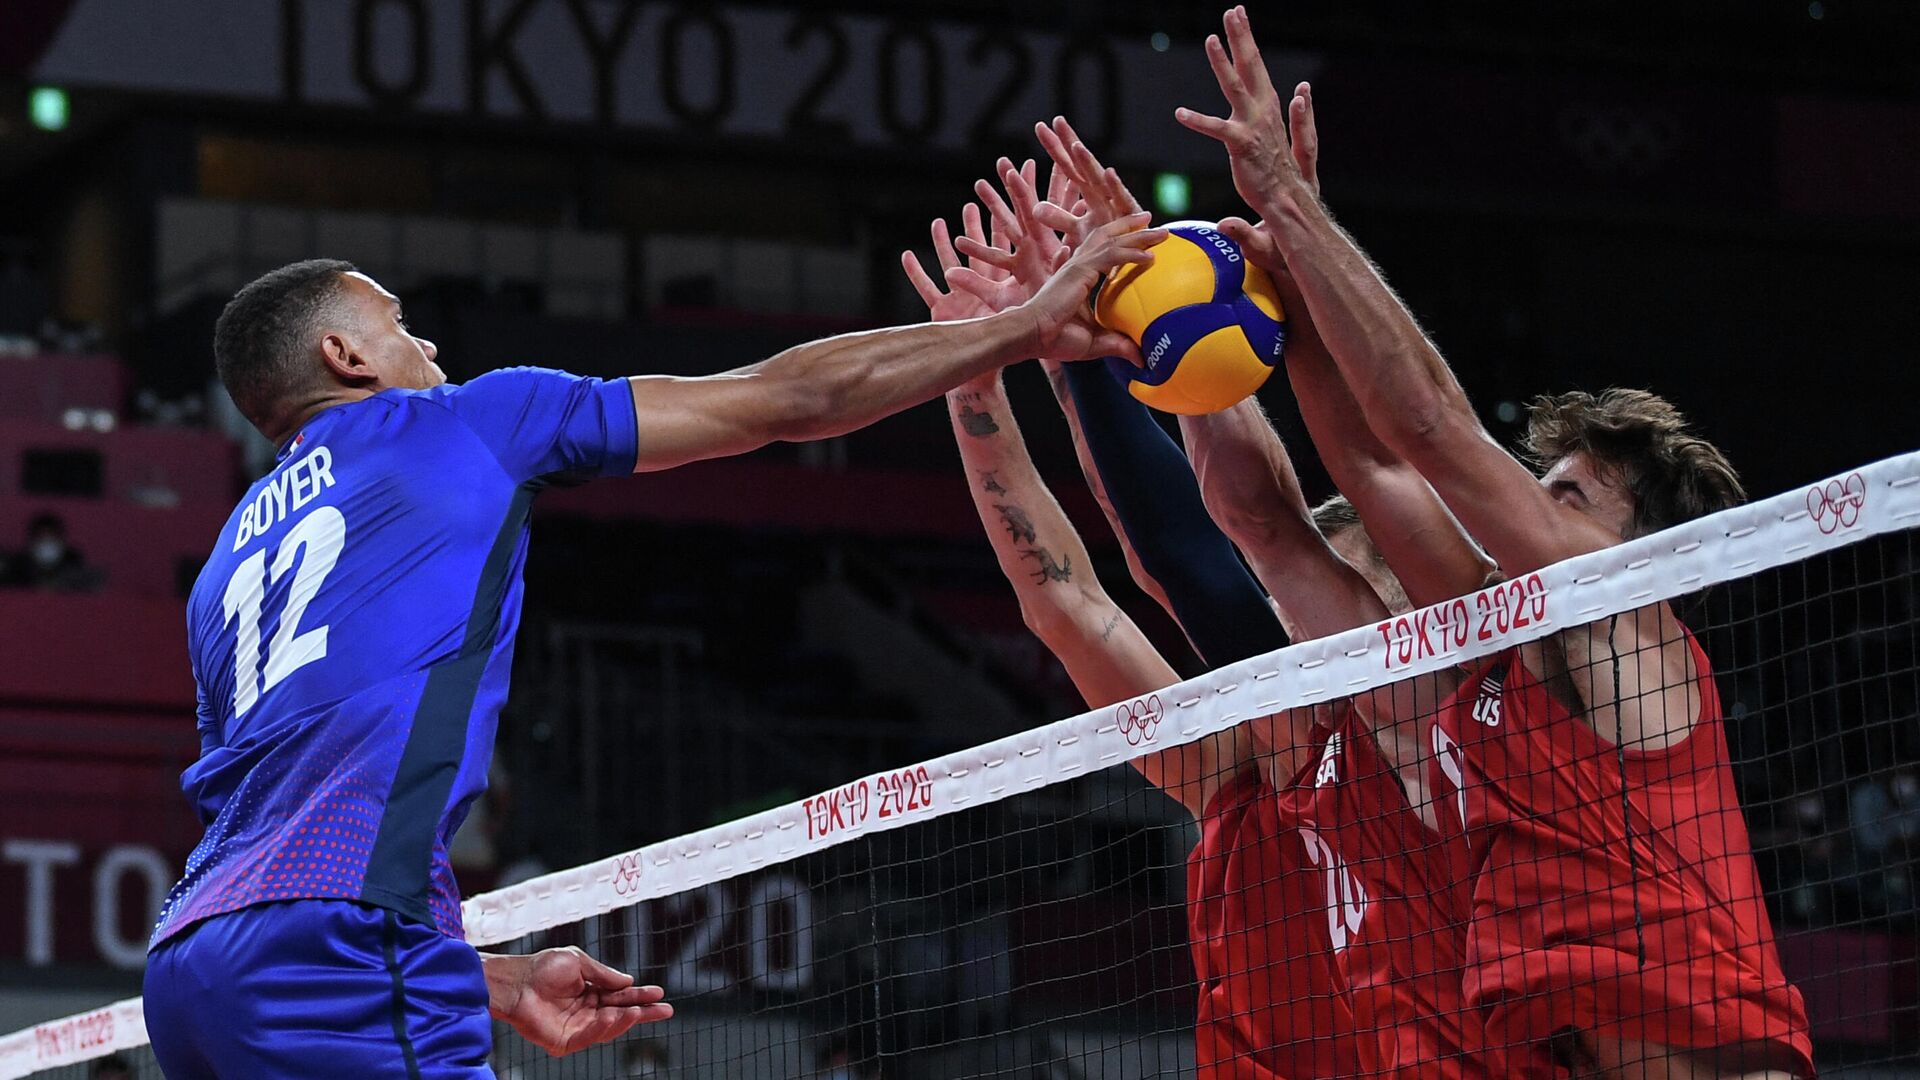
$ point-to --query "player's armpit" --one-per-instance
(1633, 674)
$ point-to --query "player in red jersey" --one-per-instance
(1272, 1004)
(1365, 800)
(1617, 925)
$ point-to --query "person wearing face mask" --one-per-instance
(50, 562)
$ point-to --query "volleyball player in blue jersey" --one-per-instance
(351, 637)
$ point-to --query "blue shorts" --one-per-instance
(317, 988)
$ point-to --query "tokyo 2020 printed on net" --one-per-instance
(1652, 806)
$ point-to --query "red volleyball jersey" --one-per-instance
(1403, 963)
(1621, 901)
(1273, 1005)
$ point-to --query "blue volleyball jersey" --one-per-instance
(352, 633)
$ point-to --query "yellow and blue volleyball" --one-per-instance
(1208, 323)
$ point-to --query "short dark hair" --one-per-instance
(1672, 474)
(258, 340)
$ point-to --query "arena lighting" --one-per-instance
(49, 108)
(1172, 193)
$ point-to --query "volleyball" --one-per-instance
(1208, 323)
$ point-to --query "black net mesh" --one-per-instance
(1598, 907)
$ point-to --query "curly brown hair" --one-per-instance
(1672, 474)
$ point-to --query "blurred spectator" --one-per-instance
(1805, 855)
(155, 492)
(70, 335)
(835, 1061)
(646, 1057)
(1885, 811)
(111, 1067)
(50, 561)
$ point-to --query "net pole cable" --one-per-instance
(1018, 906)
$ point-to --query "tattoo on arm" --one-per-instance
(1019, 525)
(1106, 632)
(1046, 569)
(977, 424)
(990, 483)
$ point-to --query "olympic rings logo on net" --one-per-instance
(1139, 719)
(626, 875)
(1837, 504)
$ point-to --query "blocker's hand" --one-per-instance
(563, 1000)
(1257, 240)
(1032, 251)
(1269, 165)
(1103, 197)
(1063, 323)
(952, 304)
(1018, 259)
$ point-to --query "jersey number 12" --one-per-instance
(322, 533)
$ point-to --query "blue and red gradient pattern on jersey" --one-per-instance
(352, 634)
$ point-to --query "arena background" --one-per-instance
(1716, 199)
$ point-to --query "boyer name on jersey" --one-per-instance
(292, 489)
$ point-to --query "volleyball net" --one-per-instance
(1033, 907)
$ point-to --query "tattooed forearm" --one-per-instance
(1047, 570)
(977, 424)
(1106, 631)
(1019, 525)
(990, 483)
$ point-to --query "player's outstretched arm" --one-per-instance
(1419, 537)
(834, 386)
(1045, 248)
(1634, 674)
(1246, 483)
(563, 1000)
(1061, 601)
(1136, 470)
(1408, 394)
(1044, 559)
